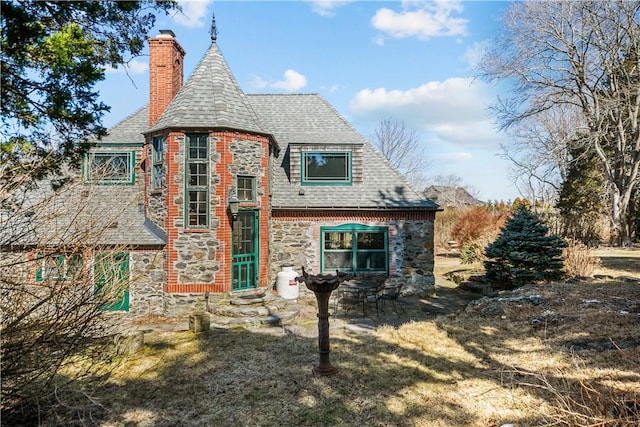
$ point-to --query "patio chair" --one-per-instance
(347, 300)
(390, 293)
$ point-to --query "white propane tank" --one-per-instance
(286, 284)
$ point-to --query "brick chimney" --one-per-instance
(165, 72)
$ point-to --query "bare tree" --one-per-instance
(539, 152)
(401, 147)
(60, 274)
(580, 56)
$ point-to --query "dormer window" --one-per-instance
(326, 168)
(109, 168)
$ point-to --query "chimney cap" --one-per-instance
(167, 33)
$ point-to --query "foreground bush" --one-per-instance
(524, 252)
(578, 260)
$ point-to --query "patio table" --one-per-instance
(361, 290)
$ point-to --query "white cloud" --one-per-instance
(421, 19)
(194, 13)
(258, 82)
(460, 156)
(454, 110)
(378, 40)
(132, 67)
(328, 7)
(292, 81)
(475, 52)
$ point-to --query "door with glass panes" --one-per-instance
(244, 263)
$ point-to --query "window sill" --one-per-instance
(196, 230)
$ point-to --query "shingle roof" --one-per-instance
(130, 129)
(309, 119)
(81, 215)
(212, 98)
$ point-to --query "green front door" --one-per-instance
(111, 280)
(244, 264)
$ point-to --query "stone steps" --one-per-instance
(254, 308)
(218, 321)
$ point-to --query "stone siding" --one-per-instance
(293, 242)
(247, 160)
(414, 256)
(146, 288)
(197, 261)
(411, 250)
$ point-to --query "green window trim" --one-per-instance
(118, 168)
(157, 162)
(326, 168)
(197, 181)
(246, 188)
(354, 248)
(59, 267)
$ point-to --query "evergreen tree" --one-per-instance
(524, 252)
(53, 54)
(583, 202)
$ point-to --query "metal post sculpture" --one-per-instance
(322, 285)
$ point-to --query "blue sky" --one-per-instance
(409, 61)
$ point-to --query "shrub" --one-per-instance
(474, 229)
(578, 260)
(471, 224)
(473, 251)
(524, 252)
(444, 224)
(470, 253)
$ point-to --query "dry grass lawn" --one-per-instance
(573, 359)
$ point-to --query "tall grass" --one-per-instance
(578, 401)
(579, 260)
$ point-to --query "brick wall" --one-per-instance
(165, 72)
(199, 260)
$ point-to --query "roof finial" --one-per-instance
(214, 29)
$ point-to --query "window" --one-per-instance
(197, 180)
(157, 161)
(354, 248)
(246, 188)
(110, 168)
(60, 267)
(320, 168)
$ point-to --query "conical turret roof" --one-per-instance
(211, 98)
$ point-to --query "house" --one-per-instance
(451, 196)
(208, 190)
